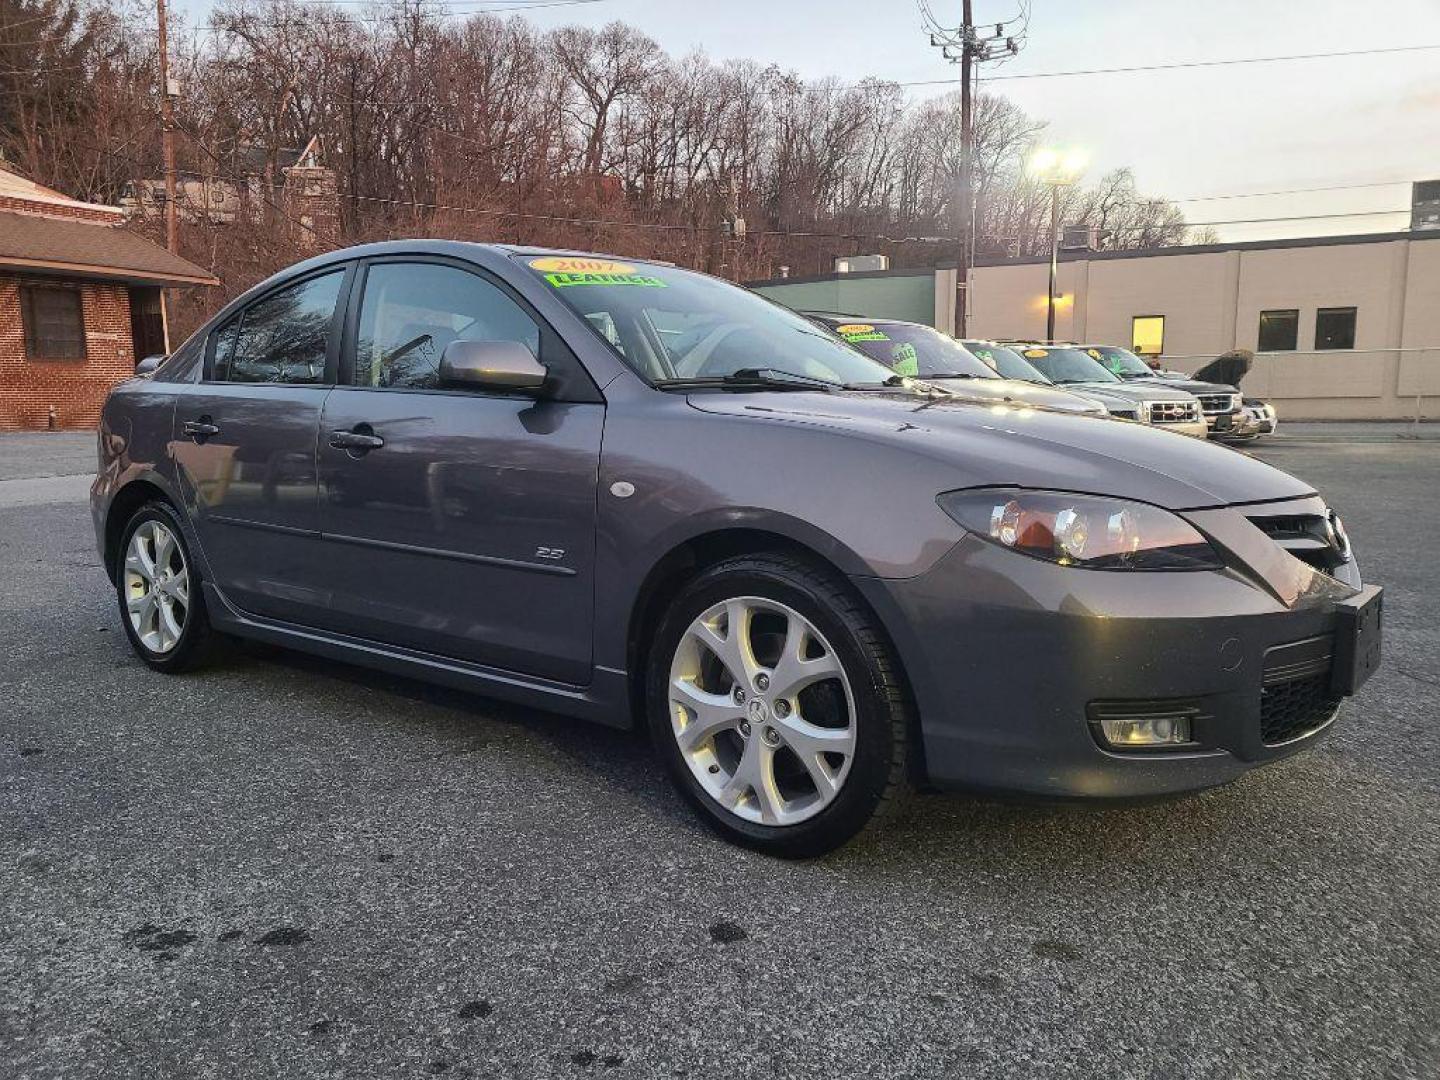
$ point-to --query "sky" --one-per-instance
(1187, 134)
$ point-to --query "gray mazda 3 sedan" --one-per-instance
(638, 494)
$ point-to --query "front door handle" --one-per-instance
(201, 429)
(355, 441)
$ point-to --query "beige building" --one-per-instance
(1342, 326)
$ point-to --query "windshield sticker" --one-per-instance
(860, 332)
(905, 360)
(1035, 354)
(564, 271)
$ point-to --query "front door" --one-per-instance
(244, 447)
(467, 527)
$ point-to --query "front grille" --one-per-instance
(1174, 412)
(1296, 697)
(1306, 536)
(1219, 403)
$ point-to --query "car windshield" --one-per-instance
(1067, 365)
(912, 349)
(674, 325)
(1008, 363)
(1121, 362)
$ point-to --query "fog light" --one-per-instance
(1125, 732)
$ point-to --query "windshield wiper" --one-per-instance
(749, 378)
(954, 375)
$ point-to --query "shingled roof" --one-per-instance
(91, 249)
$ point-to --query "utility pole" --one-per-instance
(967, 152)
(966, 46)
(167, 133)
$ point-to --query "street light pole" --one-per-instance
(1054, 261)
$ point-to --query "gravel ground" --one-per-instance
(281, 867)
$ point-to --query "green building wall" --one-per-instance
(891, 296)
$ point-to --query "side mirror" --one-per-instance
(491, 365)
(150, 363)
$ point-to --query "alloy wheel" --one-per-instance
(157, 586)
(762, 711)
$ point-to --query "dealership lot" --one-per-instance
(285, 867)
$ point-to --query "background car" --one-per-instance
(922, 352)
(1219, 403)
(1072, 368)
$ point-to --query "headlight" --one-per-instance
(1081, 530)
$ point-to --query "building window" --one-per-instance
(1147, 334)
(54, 323)
(1335, 328)
(1279, 330)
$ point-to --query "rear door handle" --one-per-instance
(201, 429)
(355, 440)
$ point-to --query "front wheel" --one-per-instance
(777, 705)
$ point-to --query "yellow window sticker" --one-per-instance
(564, 271)
(861, 332)
(1035, 354)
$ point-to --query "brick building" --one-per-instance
(80, 303)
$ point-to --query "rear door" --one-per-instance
(245, 443)
(467, 528)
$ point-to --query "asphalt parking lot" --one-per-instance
(290, 868)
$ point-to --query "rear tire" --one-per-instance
(793, 735)
(158, 587)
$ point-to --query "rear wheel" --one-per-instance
(776, 703)
(161, 605)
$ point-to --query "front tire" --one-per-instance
(776, 703)
(162, 606)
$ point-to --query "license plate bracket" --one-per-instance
(1358, 622)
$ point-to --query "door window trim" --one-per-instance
(333, 336)
(573, 383)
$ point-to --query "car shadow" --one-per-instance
(955, 836)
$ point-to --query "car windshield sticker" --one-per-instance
(860, 332)
(563, 272)
(905, 360)
(1035, 354)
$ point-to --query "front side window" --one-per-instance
(1147, 334)
(911, 349)
(1279, 330)
(54, 323)
(670, 324)
(283, 338)
(1335, 328)
(411, 311)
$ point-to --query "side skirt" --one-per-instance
(605, 701)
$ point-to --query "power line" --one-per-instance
(1291, 191)
(1182, 65)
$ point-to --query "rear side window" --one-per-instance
(412, 311)
(283, 338)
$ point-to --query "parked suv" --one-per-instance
(920, 351)
(1221, 404)
(635, 493)
(1072, 368)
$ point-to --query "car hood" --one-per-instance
(1190, 386)
(981, 445)
(1014, 392)
(1126, 391)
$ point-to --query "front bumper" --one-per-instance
(1008, 656)
(1196, 429)
(1225, 423)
